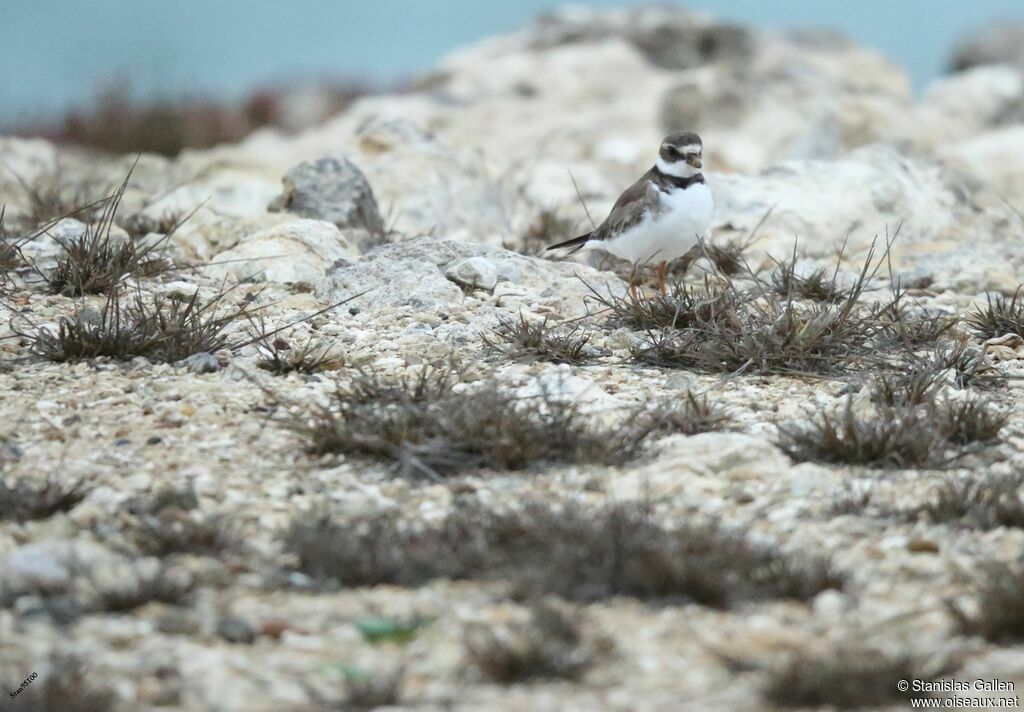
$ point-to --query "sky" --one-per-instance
(56, 54)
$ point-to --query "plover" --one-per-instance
(661, 216)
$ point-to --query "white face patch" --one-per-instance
(679, 169)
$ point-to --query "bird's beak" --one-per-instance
(694, 161)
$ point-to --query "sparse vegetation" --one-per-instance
(158, 328)
(366, 691)
(968, 365)
(820, 284)
(752, 330)
(550, 644)
(728, 257)
(913, 385)
(140, 225)
(9, 254)
(279, 356)
(25, 500)
(848, 676)
(566, 549)
(174, 532)
(681, 307)
(1001, 315)
(910, 428)
(52, 196)
(982, 500)
(96, 261)
(531, 339)
(968, 420)
(119, 123)
(548, 228)
(429, 427)
(798, 324)
(687, 415)
(894, 437)
(907, 327)
(998, 612)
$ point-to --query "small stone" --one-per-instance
(331, 189)
(477, 272)
(201, 362)
(40, 566)
(178, 622)
(178, 289)
(831, 604)
(274, 628)
(923, 546)
(235, 630)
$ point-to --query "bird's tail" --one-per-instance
(577, 243)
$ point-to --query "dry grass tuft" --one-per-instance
(910, 428)
(819, 285)
(566, 549)
(728, 257)
(998, 613)
(908, 327)
(24, 500)
(10, 256)
(686, 415)
(849, 676)
(51, 197)
(983, 501)
(172, 531)
(280, 356)
(547, 228)
(537, 340)
(894, 437)
(970, 420)
(794, 325)
(914, 385)
(95, 262)
(429, 427)
(550, 645)
(158, 328)
(373, 691)
(751, 329)
(681, 307)
(1000, 316)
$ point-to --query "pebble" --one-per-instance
(476, 272)
(201, 362)
(235, 630)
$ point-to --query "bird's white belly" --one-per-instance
(668, 233)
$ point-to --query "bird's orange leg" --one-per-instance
(632, 284)
(661, 276)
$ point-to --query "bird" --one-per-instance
(660, 217)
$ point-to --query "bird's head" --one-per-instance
(681, 154)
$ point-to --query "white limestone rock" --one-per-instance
(293, 252)
(413, 274)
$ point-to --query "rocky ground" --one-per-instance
(297, 450)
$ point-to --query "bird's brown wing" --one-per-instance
(629, 209)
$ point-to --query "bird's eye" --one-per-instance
(672, 150)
